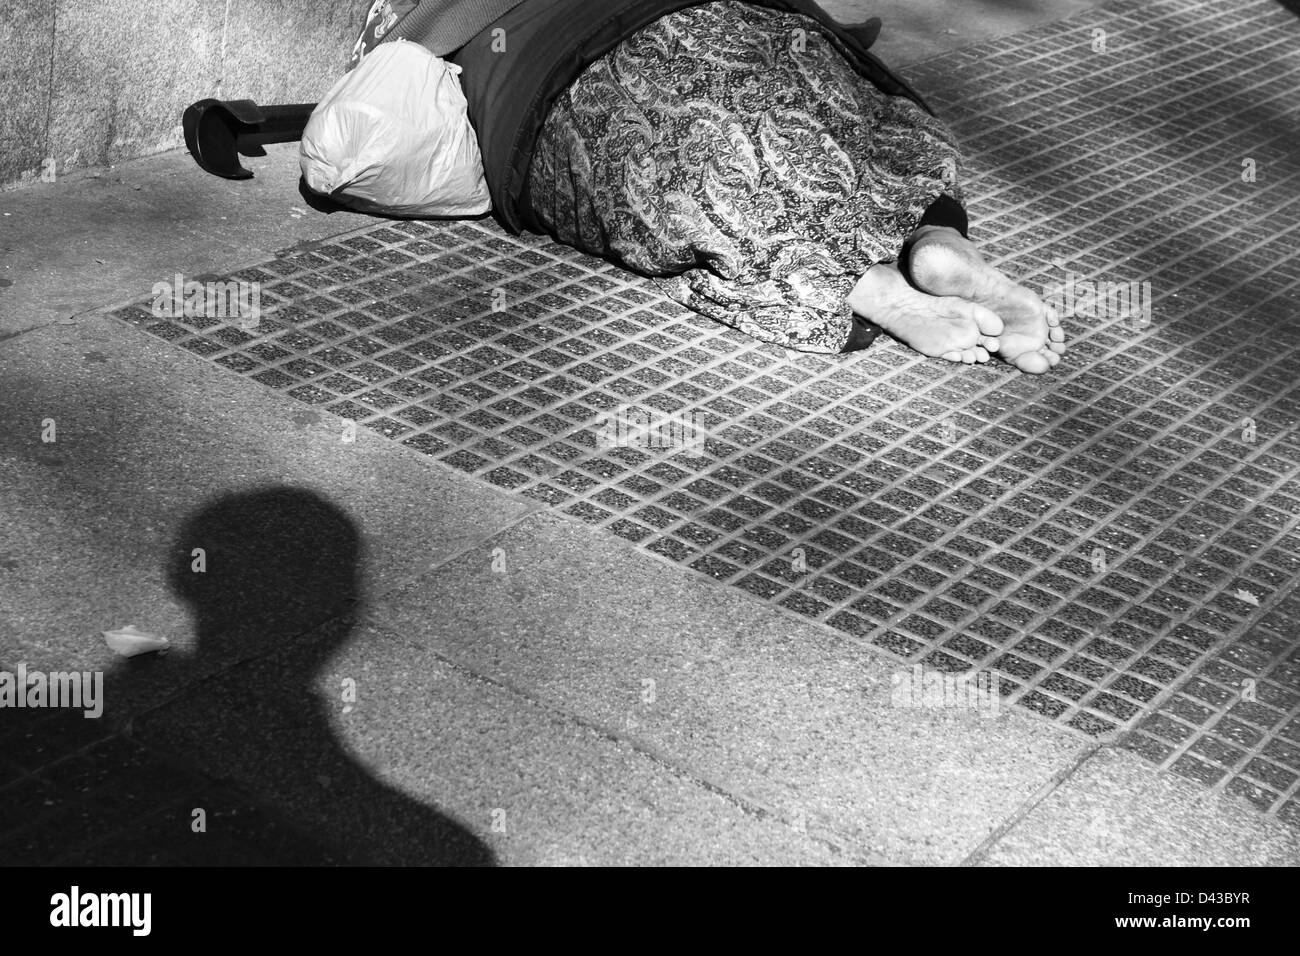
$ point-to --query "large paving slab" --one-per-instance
(74, 793)
(156, 454)
(1115, 812)
(750, 699)
(431, 763)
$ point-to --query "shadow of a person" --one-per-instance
(251, 747)
(281, 565)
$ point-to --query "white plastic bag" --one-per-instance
(393, 136)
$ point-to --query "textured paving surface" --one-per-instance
(1114, 812)
(796, 721)
(513, 780)
(1181, 437)
(158, 452)
(113, 509)
(120, 229)
(1117, 541)
(106, 800)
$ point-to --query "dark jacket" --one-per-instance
(445, 26)
(548, 43)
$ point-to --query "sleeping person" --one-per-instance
(756, 160)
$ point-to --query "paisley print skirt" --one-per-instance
(731, 152)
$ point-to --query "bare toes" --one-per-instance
(1035, 363)
(991, 343)
(986, 320)
(981, 355)
(953, 356)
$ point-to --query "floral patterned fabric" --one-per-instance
(730, 151)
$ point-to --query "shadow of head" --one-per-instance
(272, 561)
(268, 566)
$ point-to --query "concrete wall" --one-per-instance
(94, 82)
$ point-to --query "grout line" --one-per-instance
(985, 846)
(225, 29)
(421, 577)
(749, 805)
(6, 336)
(49, 99)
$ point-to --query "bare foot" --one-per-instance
(938, 326)
(943, 262)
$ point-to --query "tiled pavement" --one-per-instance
(1181, 436)
(1117, 541)
(1083, 535)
